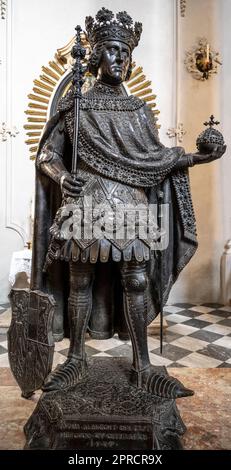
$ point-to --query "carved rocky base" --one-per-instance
(104, 412)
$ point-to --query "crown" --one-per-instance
(108, 27)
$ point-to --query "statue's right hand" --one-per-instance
(71, 186)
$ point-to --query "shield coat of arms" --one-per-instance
(30, 339)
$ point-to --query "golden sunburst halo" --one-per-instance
(52, 76)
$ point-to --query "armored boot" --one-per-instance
(79, 309)
(143, 374)
(158, 384)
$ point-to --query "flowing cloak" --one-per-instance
(118, 139)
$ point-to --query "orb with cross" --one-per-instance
(210, 137)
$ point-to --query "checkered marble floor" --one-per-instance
(196, 336)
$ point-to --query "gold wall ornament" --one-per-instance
(202, 61)
(6, 132)
(183, 8)
(55, 79)
(178, 132)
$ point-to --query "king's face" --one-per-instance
(114, 62)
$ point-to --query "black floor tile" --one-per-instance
(189, 313)
(212, 305)
(7, 305)
(170, 323)
(175, 364)
(2, 350)
(220, 313)
(89, 351)
(224, 365)
(225, 322)
(205, 335)
(64, 352)
(169, 336)
(121, 351)
(3, 337)
(217, 352)
(172, 352)
(196, 322)
(184, 305)
(3, 311)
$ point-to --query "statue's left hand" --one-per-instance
(216, 153)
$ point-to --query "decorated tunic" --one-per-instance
(121, 158)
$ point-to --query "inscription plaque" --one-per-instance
(104, 411)
(108, 432)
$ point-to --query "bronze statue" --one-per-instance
(113, 285)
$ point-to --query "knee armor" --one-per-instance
(135, 282)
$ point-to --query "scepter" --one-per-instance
(78, 53)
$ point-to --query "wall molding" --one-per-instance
(175, 72)
(3, 9)
(7, 166)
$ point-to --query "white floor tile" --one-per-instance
(159, 360)
(227, 308)
(201, 309)
(182, 329)
(104, 344)
(4, 361)
(5, 319)
(154, 343)
(64, 344)
(102, 354)
(173, 309)
(58, 359)
(192, 344)
(199, 360)
(209, 318)
(174, 317)
(220, 329)
(225, 342)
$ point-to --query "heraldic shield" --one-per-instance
(30, 339)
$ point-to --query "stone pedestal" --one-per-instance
(104, 412)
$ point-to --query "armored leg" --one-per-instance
(143, 375)
(134, 281)
(79, 310)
